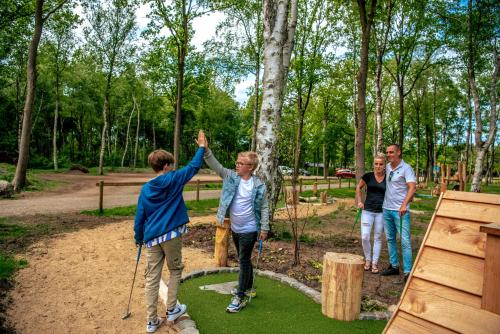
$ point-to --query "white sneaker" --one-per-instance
(178, 310)
(152, 326)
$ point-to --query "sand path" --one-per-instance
(80, 282)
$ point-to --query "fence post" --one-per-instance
(329, 184)
(300, 185)
(340, 182)
(101, 196)
(198, 190)
(349, 183)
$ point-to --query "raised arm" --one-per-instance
(186, 173)
(214, 164)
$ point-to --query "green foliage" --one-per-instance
(281, 308)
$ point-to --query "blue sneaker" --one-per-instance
(236, 304)
(152, 326)
(174, 314)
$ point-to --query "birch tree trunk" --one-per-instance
(256, 104)
(128, 133)
(137, 130)
(481, 146)
(279, 32)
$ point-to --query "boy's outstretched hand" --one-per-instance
(202, 140)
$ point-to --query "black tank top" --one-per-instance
(375, 192)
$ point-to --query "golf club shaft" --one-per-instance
(133, 279)
(256, 268)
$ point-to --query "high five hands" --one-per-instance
(202, 139)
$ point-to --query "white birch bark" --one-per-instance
(279, 32)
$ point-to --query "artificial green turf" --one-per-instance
(277, 308)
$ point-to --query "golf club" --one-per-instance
(255, 270)
(127, 314)
(358, 215)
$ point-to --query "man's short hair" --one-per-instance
(252, 157)
(395, 145)
(158, 159)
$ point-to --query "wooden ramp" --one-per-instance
(444, 293)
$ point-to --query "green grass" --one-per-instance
(34, 183)
(9, 233)
(9, 265)
(278, 308)
(338, 193)
(195, 208)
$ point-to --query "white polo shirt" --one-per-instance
(396, 185)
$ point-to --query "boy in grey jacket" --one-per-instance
(244, 200)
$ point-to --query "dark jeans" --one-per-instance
(244, 243)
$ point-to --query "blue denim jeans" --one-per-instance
(392, 227)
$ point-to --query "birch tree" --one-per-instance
(474, 31)
(280, 20)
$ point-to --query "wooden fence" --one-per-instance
(317, 180)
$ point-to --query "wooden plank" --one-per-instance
(457, 235)
(422, 246)
(491, 295)
(444, 306)
(493, 229)
(473, 197)
(451, 269)
(409, 324)
(486, 213)
(446, 292)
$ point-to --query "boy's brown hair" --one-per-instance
(158, 159)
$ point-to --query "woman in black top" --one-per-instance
(372, 211)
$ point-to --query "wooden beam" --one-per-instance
(473, 197)
(491, 289)
(481, 212)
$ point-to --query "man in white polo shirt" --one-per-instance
(400, 188)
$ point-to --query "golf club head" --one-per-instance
(126, 315)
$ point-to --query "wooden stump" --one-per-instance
(341, 286)
(323, 197)
(222, 243)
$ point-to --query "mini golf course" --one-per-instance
(277, 308)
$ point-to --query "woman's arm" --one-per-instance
(359, 197)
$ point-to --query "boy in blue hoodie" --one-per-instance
(160, 222)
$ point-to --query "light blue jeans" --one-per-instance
(392, 227)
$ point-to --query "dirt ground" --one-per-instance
(79, 282)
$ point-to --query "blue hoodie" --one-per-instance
(161, 207)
